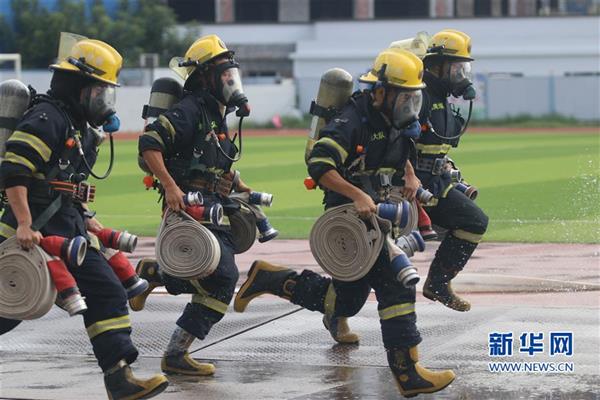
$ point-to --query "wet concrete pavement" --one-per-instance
(276, 350)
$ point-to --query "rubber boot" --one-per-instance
(340, 331)
(437, 287)
(264, 278)
(184, 364)
(146, 269)
(411, 378)
(122, 385)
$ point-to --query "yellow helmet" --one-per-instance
(396, 67)
(89, 57)
(203, 50)
(450, 43)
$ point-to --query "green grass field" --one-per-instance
(534, 187)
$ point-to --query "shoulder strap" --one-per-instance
(363, 137)
(44, 98)
(47, 214)
(426, 104)
(69, 132)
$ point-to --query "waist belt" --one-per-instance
(45, 192)
(200, 184)
(31, 292)
(434, 166)
(42, 193)
(220, 186)
(81, 192)
(375, 185)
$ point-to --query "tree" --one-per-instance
(7, 38)
(37, 30)
(142, 26)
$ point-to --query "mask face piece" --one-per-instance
(459, 77)
(99, 101)
(459, 71)
(231, 84)
(406, 107)
(229, 88)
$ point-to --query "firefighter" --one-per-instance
(189, 148)
(54, 147)
(360, 153)
(447, 73)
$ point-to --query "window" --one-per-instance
(482, 8)
(505, 7)
(193, 10)
(256, 10)
(401, 8)
(330, 9)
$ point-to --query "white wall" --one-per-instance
(265, 102)
(535, 47)
(532, 46)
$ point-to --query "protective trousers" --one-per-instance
(396, 304)
(107, 317)
(466, 224)
(211, 295)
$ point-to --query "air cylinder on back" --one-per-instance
(165, 92)
(14, 99)
(334, 90)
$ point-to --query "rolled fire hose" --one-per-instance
(243, 227)
(26, 288)
(184, 248)
(413, 218)
(346, 246)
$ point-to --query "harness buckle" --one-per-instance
(63, 164)
(84, 192)
(385, 180)
(438, 166)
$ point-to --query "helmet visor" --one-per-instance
(67, 42)
(406, 107)
(99, 102)
(178, 65)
